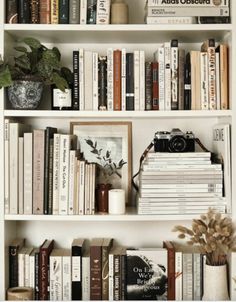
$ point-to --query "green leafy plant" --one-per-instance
(213, 234)
(35, 62)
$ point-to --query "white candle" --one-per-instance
(116, 201)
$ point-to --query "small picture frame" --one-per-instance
(109, 145)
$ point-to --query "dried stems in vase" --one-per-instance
(213, 234)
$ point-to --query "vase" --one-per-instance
(25, 94)
(102, 197)
(215, 283)
(119, 12)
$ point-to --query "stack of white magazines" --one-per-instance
(180, 183)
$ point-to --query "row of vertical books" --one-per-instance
(58, 11)
(45, 173)
(173, 80)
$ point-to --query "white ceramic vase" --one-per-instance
(215, 283)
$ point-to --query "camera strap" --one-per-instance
(149, 147)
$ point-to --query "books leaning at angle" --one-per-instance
(180, 183)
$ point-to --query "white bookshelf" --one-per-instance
(129, 229)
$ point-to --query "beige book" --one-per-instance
(195, 80)
(21, 175)
(28, 173)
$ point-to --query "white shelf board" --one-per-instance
(129, 33)
(118, 114)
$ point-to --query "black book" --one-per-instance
(64, 11)
(77, 250)
(148, 86)
(91, 11)
(11, 11)
(187, 83)
(36, 280)
(129, 81)
(14, 248)
(49, 134)
(24, 11)
(75, 102)
(50, 179)
(102, 83)
(123, 268)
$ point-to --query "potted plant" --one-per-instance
(34, 67)
(214, 235)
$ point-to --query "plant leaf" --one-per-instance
(59, 81)
(50, 58)
(89, 142)
(57, 53)
(108, 154)
(32, 42)
(20, 48)
(5, 78)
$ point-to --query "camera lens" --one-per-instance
(177, 144)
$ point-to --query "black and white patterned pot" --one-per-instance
(25, 94)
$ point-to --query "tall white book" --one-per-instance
(81, 192)
(95, 81)
(56, 173)
(27, 266)
(174, 74)
(142, 80)
(28, 173)
(86, 277)
(72, 181)
(83, 11)
(55, 274)
(136, 80)
(7, 166)
(161, 64)
(178, 276)
(66, 275)
(110, 79)
(88, 80)
(21, 175)
(204, 81)
(167, 76)
(81, 79)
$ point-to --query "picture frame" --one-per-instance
(109, 144)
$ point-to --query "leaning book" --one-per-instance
(147, 274)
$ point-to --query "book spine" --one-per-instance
(55, 283)
(75, 103)
(102, 83)
(64, 11)
(136, 80)
(192, 4)
(196, 277)
(167, 76)
(91, 11)
(13, 266)
(88, 78)
(123, 79)
(28, 173)
(32, 271)
(187, 11)
(6, 166)
(46, 171)
(161, 77)
(21, 176)
(95, 81)
(187, 277)
(66, 278)
(81, 187)
(54, 11)
(129, 81)
(178, 276)
(217, 81)
(110, 79)
(36, 293)
(27, 270)
(212, 77)
(155, 86)
(81, 78)
(105, 273)
(111, 276)
(43, 275)
(76, 272)
(12, 11)
(50, 178)
(148, 86)
(117, 79)
(45, 11)
(174, 75)
(83, 11)
(74, 13)
(34, 8)
(187, 83)
(224, 89)
(123, 282)
(116, 280)
(72, 175)
(204, 81)
(86, 278)
(181, 78)
(171, 274)
(170, 20)
(24, 11)
(142, 80)
(93, 188)
(21, 269)
(103, 11)
(56, 174)
(86, 192)
(95, 273)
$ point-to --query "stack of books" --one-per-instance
(180, 183)
(186, 12)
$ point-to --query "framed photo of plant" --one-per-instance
(108, 144)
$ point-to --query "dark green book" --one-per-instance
(64, 11)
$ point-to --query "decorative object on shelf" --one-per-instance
(61, 99)
(119, 12)
(214, 235)
(20, 294)
(116, 204)
(102, 192)
(108, 144)
(35, 67)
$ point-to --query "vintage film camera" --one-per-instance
(174, 141)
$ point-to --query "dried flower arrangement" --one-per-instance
(213, 234)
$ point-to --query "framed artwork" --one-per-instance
(108, 144)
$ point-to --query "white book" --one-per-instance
(111, 276)
(6, 166)
(182, 167)
(195, 200)
(174, 74)
(55, 275)
(56, 173)
(161, 76)
(232, 280)
(180, 186)
(90, 188)
(65, 147)
(86, 191)
(179, 155)
(95, 81)
(218, 93)
(88, 80)
(123, 79)
(83, 11)
(27, 266)
(32, 268)
(187, 276)
(142, 80)
(21, 267)
(221, 146)
(77, 193)
(204, 81)
(183, 194)
(81, 78)
(81, 187)
(177, 211)
(212, 77)
(21, 176)
(161, 162)
(93, 188)
(66, 275)
(170, 20)
(197, 276)
(136, 80)
(178, 276)
(85, 277)
(187, 11)
(28, 173)
(72, 181)
(167, 76)
(103, 11)
(185, 173)
(192, 4)
(110, 79)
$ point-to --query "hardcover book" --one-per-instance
(14, 248)
(12, 11)
(96, 269)
(147, 274)
(77, 252)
